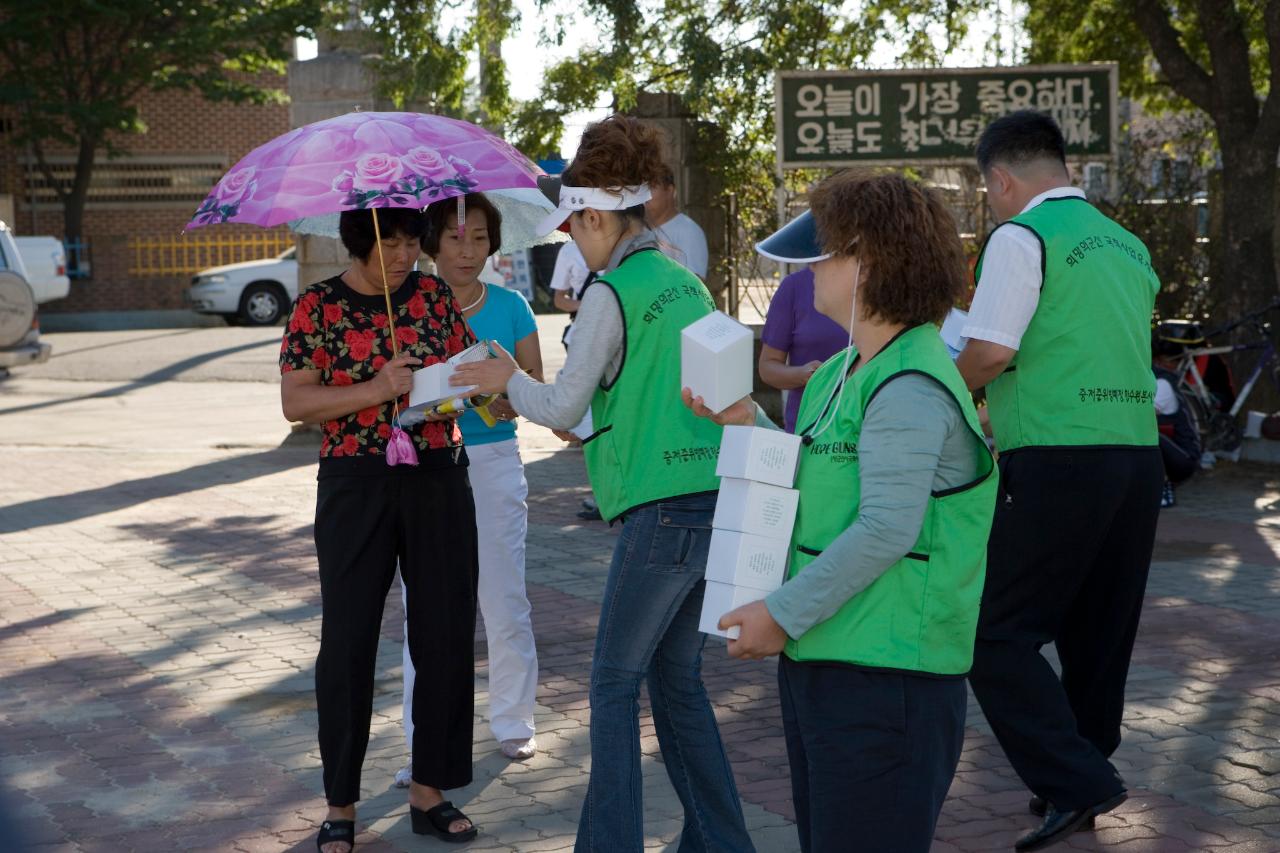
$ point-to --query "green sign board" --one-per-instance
(934, 116)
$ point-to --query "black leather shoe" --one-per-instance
(1038, 806)
(1058, 826)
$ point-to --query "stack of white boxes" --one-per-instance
(756, 508)
(755, 513)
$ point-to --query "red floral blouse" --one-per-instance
(343, 334)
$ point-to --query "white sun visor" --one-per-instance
(580, 198)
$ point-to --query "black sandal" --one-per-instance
(435, 821)
(339, 831)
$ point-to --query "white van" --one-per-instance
(46, 263)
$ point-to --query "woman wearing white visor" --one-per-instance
(652, 465)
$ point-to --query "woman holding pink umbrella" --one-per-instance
(339, 369)
(384, 494)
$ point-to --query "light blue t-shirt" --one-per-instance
(506, 318)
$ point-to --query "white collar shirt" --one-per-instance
(1009, 288)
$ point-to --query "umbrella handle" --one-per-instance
(386, 293)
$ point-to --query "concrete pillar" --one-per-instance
(691, 148)
(335, 82)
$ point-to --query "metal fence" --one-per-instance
(167, 256)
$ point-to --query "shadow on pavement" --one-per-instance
(62, 351)
(14, 629)
(63, 509)
(163, 374)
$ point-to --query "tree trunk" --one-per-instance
(1246, 256)
(1245, 272)
(73, 202)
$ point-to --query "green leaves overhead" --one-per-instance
(71, 70)
(420, 63)
(721, 56)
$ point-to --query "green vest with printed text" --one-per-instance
(647, 446)
(921, 613)
(1082, 374)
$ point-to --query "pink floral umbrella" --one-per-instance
(364, 161)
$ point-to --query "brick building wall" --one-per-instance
(179, 123)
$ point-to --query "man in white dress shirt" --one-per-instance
(1059, 335)
(679, 237)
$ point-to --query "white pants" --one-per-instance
(502, 520)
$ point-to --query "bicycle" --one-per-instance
(1220, 429)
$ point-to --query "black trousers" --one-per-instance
(1067, 564)
(368, 516)
(872, 754)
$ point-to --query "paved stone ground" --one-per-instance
(160, 621)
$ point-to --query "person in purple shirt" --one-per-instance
(796, 340)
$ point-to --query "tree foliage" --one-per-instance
(1217, 58)
(721, 57)
(420, 62)
(72, 70)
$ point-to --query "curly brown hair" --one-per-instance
(906, 238)
(619, 151)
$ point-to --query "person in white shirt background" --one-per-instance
(568, 281)
(679, 237)
(1179, 435)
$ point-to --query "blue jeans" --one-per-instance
(649, 630)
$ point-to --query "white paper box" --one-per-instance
(760, 454)
(757, 508)
(744, 559)
(718, 600)
(431, 383)
(1253, 424)
(715, 360)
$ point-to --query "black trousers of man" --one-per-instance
(1067, 564)
(369, 516)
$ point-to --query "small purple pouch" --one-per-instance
(400, 449)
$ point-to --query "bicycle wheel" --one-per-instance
(1223, 433)
(1199, 415)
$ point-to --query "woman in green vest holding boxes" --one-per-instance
(876, 620)
(652, 466)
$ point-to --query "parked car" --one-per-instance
(46, 263)
(255, 293)
(19, 322)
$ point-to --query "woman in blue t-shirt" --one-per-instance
(497, 474)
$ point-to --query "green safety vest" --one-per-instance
(1082, 375)
(647, 446)
(921, 614)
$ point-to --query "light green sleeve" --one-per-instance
(914, 441)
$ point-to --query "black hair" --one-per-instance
(438, 213)
(1019, 138)
(1164, 348)
(355, 228)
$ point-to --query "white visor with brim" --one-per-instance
(580, 198)
(794, 243)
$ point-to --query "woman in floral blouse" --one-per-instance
(338, 369)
